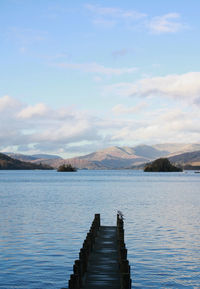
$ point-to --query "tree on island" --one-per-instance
(66, 168)
(161, 165)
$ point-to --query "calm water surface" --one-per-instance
(45, 215)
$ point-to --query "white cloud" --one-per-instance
(39, 128)
(169, 126)
(122, 109)
(119, 89)
(110, 17)
(97, 68)
(168, 23)
(7, 102)
(69, 131)
(185, 87)
(39, 109)
(114, 12)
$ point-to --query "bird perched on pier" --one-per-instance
(120, 215)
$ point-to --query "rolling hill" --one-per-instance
(8, 163)
(187, 159)
(121, 157)
(35, 158)
(127, 157)
(109, 158)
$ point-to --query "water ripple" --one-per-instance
(44, 218)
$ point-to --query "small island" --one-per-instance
(161, 165)
(66, 168)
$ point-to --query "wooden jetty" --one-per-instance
(102, 260)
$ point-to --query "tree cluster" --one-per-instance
(66, 168)
(161, 165)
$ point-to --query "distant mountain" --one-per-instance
(112, 158)
(115, 157)
(75, 162)
(8, 163)
(149, 152)
(46, 156)
(177, 148)
(187, 161)
(21, 157)
(36, 158)
(127, 157)
(142, 151)
(190, 158)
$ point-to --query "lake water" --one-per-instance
(45, 215)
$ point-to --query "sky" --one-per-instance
(80, 76)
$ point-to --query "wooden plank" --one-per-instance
(103, 266)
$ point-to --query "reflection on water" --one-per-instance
(44, 217)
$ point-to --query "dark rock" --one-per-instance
(161, 165)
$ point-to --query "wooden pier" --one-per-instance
(102, 260)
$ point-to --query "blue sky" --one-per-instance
(77, 76)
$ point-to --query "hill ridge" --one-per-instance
(8, 163)
(116, 157)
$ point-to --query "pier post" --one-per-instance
(74, 282)
(125, 281)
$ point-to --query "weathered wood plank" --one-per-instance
(103, 266)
